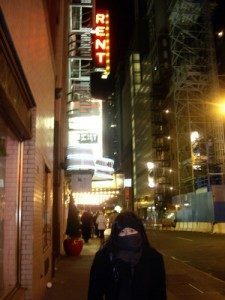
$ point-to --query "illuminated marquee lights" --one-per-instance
(102, 44)
(84, 151)
(94, 198)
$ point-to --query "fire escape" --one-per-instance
(161, 172)
(161, 145)
(79, 90)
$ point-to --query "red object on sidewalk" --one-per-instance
(73, 247)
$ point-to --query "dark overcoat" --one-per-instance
(147, 281)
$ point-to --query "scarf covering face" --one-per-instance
(130, 248)
(132, 242)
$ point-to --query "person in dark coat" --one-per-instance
(86, 225)
(126, 267)
(95, 224)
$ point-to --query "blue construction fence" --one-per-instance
(201, 206)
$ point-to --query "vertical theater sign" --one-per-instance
(84, 160)
(102, 43)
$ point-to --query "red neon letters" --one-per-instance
(102, 49)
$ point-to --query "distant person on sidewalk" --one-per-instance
(101, 222)
(95, 224)
(86, 226)
(127, 267)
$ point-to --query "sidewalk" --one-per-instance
(72, 274)
(183, 281)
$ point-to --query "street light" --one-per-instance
(222, 108)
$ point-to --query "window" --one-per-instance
(75, 18)
(74, 68)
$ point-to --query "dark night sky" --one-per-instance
(218, 20)
(219, 15)
(121, 22)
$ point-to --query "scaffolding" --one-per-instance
(193, 94)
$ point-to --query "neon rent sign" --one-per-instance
(102, 48)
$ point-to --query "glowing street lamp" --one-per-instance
(222, 108)
(194, 136)
(151, 182)
(220, 34)
(150, 165)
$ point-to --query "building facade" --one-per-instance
(177, 135)
(32, 106)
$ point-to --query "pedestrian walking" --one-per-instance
(126, 267)
(95, 224)
(101, 222)
(86, 226)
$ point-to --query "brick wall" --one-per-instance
(33, 255)
(27, 24)
(10, 236)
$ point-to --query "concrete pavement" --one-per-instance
(72, 274)
(183, 281)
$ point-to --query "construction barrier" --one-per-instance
(194, 226)
(179, 226)
(191, 226)
(219, 228)
(204, 227)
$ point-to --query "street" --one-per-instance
(203, 251)
(183, 281)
